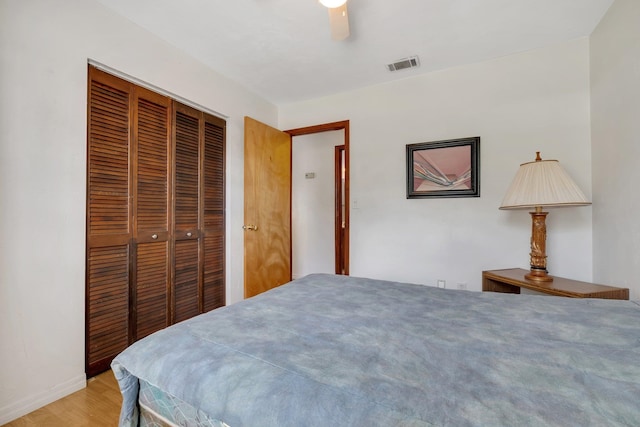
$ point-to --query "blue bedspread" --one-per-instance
(341, 351)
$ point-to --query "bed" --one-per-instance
(329, 350)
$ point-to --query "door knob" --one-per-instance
(250, 227)
(154, 236)
(189, 234)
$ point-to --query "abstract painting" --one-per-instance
(444, 168)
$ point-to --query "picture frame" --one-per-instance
(448, 168)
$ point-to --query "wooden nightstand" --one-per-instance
(512, 280)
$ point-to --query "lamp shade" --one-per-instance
(542, 183)
(332, 3)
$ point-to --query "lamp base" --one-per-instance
(538, 260)
(538, 275)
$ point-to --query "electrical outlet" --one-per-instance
(462, 286)
(442, 284)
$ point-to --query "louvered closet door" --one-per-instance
(188, 263)
(214, 218)
(151, 176)
(155, 215)
(199, 212)
(108, 220)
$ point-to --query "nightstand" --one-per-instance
(512, 280)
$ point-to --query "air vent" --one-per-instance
(405, 63)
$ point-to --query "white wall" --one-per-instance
(44, 48)
(313, 203)
(615, 127)
(534, 101)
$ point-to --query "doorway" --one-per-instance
(267, 204)
(340, 187)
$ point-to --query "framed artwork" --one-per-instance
(444, 168)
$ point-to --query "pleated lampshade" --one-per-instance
(331, 4)
(542, 183)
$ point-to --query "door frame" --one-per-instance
(340, 235)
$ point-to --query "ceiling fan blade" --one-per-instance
(339, 22)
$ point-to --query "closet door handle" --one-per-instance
(189, 234)
(154, 236)
(250, 227)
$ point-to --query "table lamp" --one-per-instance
(541, 184)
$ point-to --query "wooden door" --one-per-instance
(213, 213)
(155, 215)
(128, 216)
(199, 201)
(151, 177)
(186, 213)
(109, 220)
(267, 207)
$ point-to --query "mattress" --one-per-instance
(335, 350)
(160, 409)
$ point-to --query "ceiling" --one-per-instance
(282, 49)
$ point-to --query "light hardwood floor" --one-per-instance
(97, 405)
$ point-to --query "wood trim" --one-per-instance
(338, 201)
(324, 127)
(347, 199)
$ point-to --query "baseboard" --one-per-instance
(29, 404)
